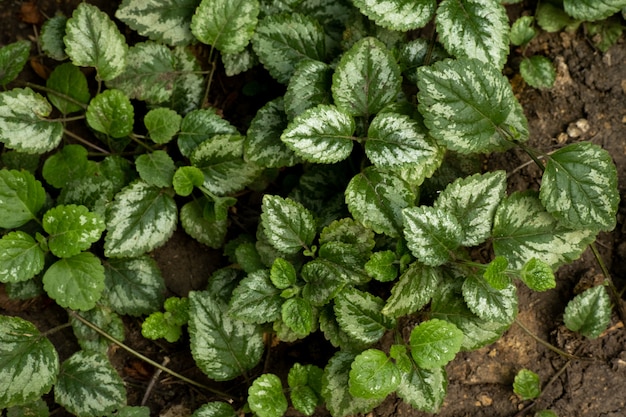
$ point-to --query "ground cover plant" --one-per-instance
(367, 216)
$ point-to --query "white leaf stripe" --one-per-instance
(399, 15)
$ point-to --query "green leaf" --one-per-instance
(466, 104)
(359, 315)
(21, 257)
(589, 313)
(235, 64)
(305, 384)
(23, 126)
(75, 282)
(255, 299)
(227, 25)
(164, 21)
(322, 134)
(473, 202)
(133, 286)
(324, 279)
(489, 303)
(527, 384)
(221, 161)
(137, 411)
(424, 389)
(538, 71)
(186, 178)
(522, 30)
(538, 275)
(309, 86)
(21, 198)
(199, 220)
(19, 161)
(37, 408)
(523, 229)
(222, 347)
(141, 218)
(93, 40)
(591, 10)
(215, 409)
(382, 266)
(283, 41)
(105, 319)
(545, 413)
(288, 225)
(13, 57)
(434, 343)
(51, 37)
(579, 187)
(69, 81)
(162, 124)
(373, 375)
(552, 18)
(199, 126)
(413, 291)
(72, 229)
(29, 363)
(432, 234)
(167, 324)
(605, 34)
(262, 144)
(335, 383)
(401, 15)
(496, 273)
(266, 397)
(282, 274)
(474, 29)
(111, 113)
(88, 385)
(67, 165)
(297, 314)
(367, 78)
(156, 168)
(376, 198)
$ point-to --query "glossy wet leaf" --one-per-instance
(288, 225)
(489, 303)
(589, 313)
(434, 343)
(13, 58)
(111, 113)
(413, 290)
(527, 384)
(71, 229)
(69, 81)
(21, 257)
(401, 15)
(266, 397)
(162, 124)
(373, 375)
(359, 315)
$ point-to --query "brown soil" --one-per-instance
(587, 103)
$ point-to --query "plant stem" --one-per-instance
(86, 142)
(55, 329)
(531, 153)
(148, 360)
(205, 99)
(549, 345)
(615, 294)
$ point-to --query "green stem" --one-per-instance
(157, 365)
(86, 142)
(532, 155)
(56, 93)
(549, 345)
(55, 329)
(205, 99)
(615, 294)
(138, 141)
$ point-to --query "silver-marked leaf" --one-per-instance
(367, 78)
(29, 363)
(333, 333)
(489, 303)
(335, 383)
(189, 86)
(71, 229)
(434, 343)
(51, 37)
(256, 300)
(200, 125)
(416, 53)
(288, 225)
(413, 290)
(199, 221)
(373, 375)
(523, 229)
(589, 313)
(538, 71)
(284, 41)
(75, 282)
(69, 81)
(149, 74)
(88, 385)
(141, 218)
(266, 397)
(322, 134)
(474, 29)
(432, 234)
(107, 320)
(221, 160)
(262, 144)
(324, 280)
(579, 187)
(473, 201)
(164, 21)
(226, 25)
(156, 168)
(22, 122)
(214, 409)
(359, 315)
(21, 198)
(111, 113)
(395, 140)
(309, 86)
(133, 286)
(592, 10)
(466, 104)
(13, 57)
(382, 266)
(423, 389)
(222, 347)
(523, 30)
(21, 257)
(162, 124)
(401, 15)
(93, 40)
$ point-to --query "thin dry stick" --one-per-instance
(153, 381)
(551, 346)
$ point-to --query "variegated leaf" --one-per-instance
(200, 125)
(215, 409)
(592, 10)
(489, 303)
(256, 300)
(523, 229)
(589, 313)
(288, 225)
(467, 106)
(164, 21)
(21, 257)
(93, 40)
(51, 37)
(399, 15)
(309, 86)
(71, 229)
(107, 320)
(413, 290)
(200, 222)
(22, 122)
(359, 315)
(29, 363)
(474, 29)
(266, 397)
(141, 218)
(424, 389)
(111, 113)
(13, 57)
(189, 85)
(21, 198)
